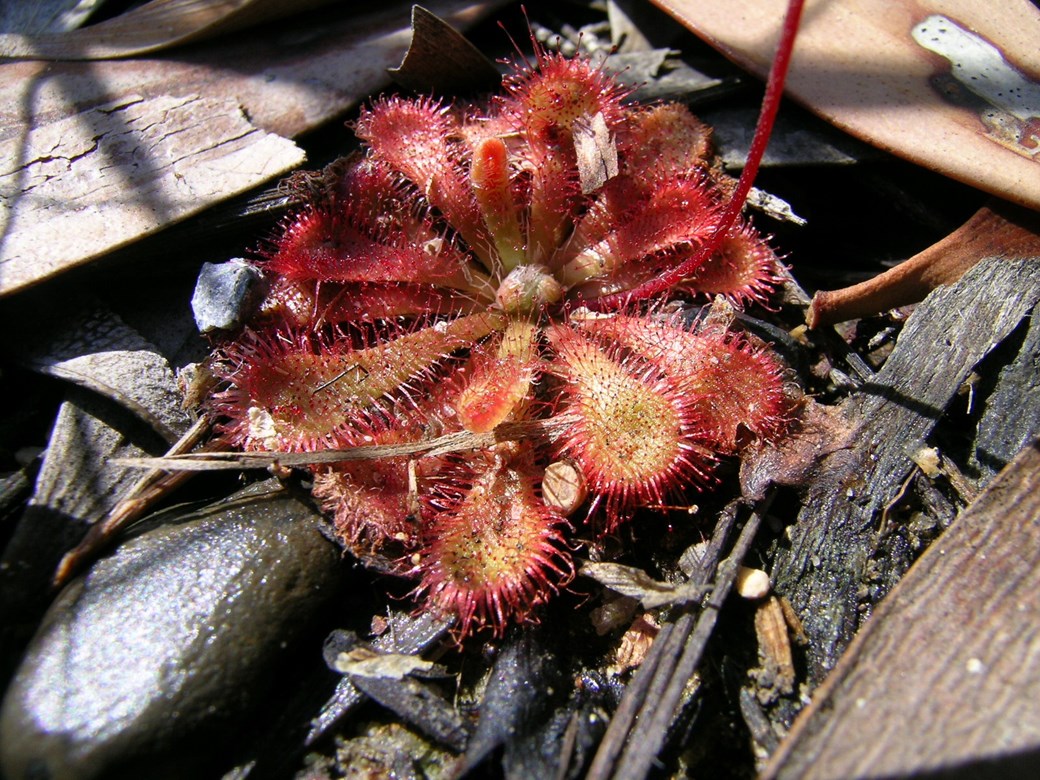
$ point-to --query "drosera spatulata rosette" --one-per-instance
(483, 264)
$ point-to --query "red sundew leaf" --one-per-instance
(308, 304)
(369, 503)
(376, 302)
(414, 137)
(493, 188)
(662, 141)
(373, 502)
(679, 212)
(494, 392)
(327, 247)
(730, 383)
(635, 437)
(547, 103)
(744, 270)
(555, 196)
(363, 226)
(497, 382)
(298, 392)
(493, 550)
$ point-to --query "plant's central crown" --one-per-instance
(433, 286)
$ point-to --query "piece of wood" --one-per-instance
(155, 25)
(946, 676)
(288, 79)
(81, 186)
(950, 84)
(175, 135)
(1011, 411)
(824, 563)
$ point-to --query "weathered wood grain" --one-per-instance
(1011, 411)
(94, 156)
(144, 28)
(78, 187)
(945, 678)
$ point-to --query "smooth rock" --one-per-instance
(166, 640)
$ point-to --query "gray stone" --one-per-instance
(165, 636)
(223, 294)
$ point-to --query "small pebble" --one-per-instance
(223, 294)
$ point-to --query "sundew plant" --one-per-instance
(507, 268)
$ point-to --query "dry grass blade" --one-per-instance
(157, 25)
(441, 445)
(152, 486)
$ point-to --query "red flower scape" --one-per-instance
(446, 281)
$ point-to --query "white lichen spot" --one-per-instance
(929, 461)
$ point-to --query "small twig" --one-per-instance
(648, 736)
(757, 722)
(996, 230)
(659, 665)
(883, 524)
(153, 485)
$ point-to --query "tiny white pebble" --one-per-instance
(975, 666)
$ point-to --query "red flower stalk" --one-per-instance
(441, 283)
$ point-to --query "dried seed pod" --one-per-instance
(563, 487)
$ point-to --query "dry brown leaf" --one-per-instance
(949, 84)
(153, 26)
(596, 151)
(995, 230)
(362, 662)
(637, 584)
(818, 432)
(440, 60)
(46, 15)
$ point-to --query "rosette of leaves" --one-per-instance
(447, 280)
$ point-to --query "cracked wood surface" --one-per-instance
(824, 567)
(945, 678)
(227, 97)
(78, 187)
